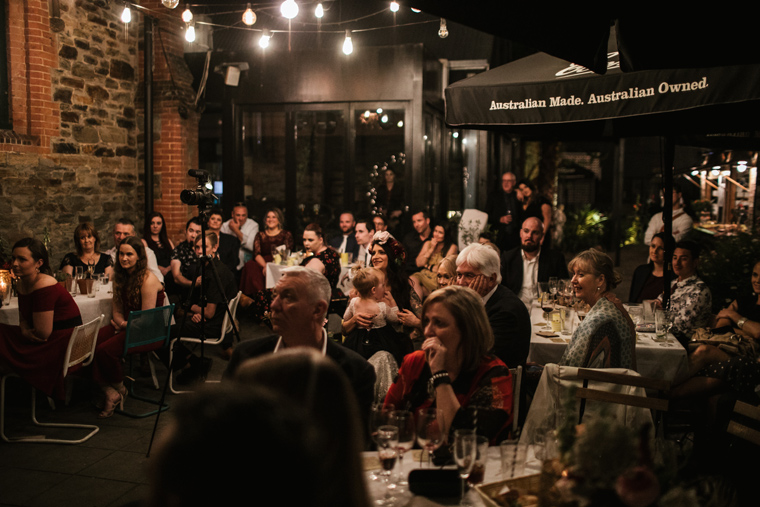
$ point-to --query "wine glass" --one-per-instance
(465, 452)
(387, 451)
(553, 285)
(378, 416)
(407, 431)
(429, 430)
(479, 468)
(547, 305)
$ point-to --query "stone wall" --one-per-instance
(75, 151)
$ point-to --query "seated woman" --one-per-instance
(87, 255)
(157, 240)
(712, 370)
(438, 246)
(323, 259)
(647, 281)
(253, 275)
(535, 205)
(134, 288)
(47, 316)
(453, 371)
(606, 337)
(446, 272)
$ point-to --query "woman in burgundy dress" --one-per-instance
(47, 316)
(134, 288)
(254, 271)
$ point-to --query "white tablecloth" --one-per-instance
(90, 308)
(662, 361)
(274, 273)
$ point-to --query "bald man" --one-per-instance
(524, 266)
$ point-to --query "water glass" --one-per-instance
(568, 315)
(478, 472)
(661, 326)
(513, 457)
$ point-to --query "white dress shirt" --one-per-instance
(530, 279)
(249, 230)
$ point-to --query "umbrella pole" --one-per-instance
(668, 157)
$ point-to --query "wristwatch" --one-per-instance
(740, 322)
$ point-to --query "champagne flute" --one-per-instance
(429, 430)
(404, 421)
(465, 452)
(387, 451)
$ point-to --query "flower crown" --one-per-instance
(384, 239)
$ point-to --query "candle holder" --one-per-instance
(6, 286)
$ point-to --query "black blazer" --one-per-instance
(550, 263)
(361, 374)
(510, 322)
(228, 251)
(351, 245)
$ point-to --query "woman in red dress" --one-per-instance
(134, 288)
(254, 271)
(47, 316)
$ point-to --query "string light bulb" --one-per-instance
(394, 6)
(348, 46)
(170, 4)
(319, 11)
(289, 9)
(249, 17)
(190, 33)
(126, 14)
(443, 31)
(264, 40)
(187, 15)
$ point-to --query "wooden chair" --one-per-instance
(79, 354)
(226, 328)
(655, 404)
(147, 331)
(751, 414)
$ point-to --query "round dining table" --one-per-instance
(90, 308)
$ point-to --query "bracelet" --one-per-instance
(740, 323)
(442, 377)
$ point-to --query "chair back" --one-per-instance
(147, 327)
(82, 344)
(227, 322)
(632, 400)
(516, 387)
(740, 426)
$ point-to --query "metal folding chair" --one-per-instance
(226, 328)
(147, 331)
(79, 353)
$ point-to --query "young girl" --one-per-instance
(378, 304)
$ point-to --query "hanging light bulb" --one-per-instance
(187, 16)
(289, 9)
(190, 33)
(443, 32)
(126, 14)
(170, 4)
(264, 40)
(249, 17)
(348, 46)
(319, 11)
(394, 6)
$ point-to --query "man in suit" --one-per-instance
(346, 242)
(365, 231)
(478, 268)
(503, 210)
(229, 246)
(523, 267)
(298, 311)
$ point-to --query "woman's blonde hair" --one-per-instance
(600, 264)
(466, 306)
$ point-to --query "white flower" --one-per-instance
(381, 237)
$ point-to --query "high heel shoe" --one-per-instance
(111, 402)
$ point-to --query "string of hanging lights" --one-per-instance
(289, 9)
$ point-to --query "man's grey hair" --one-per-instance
(481, 258)
(317, 285)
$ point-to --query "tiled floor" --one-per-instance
(107, 470)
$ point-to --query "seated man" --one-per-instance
(229, 245)
(244, 229)
(345, 242)
(690, 298)
(184, 261)
(298, 311)
(478, 268)
(414, 240)
(125, 228)
(523, 267)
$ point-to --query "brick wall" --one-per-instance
(75, 150)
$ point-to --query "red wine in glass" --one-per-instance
(477, 474)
